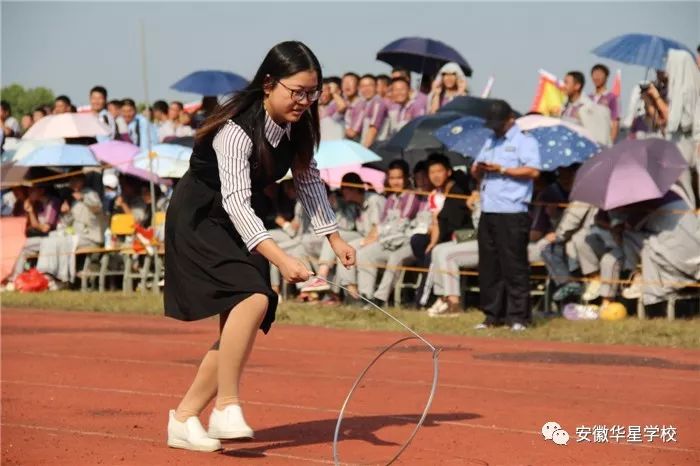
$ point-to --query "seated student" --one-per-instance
(448, 205)
(41, 211)
(368, 206)
(670, 256)
(419, 225)
(557, 247)
(399, 211)
(665, 242)
(81, 224)
(292, 223)
(130, 201)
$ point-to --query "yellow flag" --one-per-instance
(549, 99)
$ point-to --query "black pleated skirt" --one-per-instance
(208, 269)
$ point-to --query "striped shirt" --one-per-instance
(354, 114)
(375, 115)
(399, 115)
(403, 206)
(233, 149)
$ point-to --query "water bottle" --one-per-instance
(108, 239)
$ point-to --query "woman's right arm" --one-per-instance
(233, 147)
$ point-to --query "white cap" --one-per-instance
(110, 180)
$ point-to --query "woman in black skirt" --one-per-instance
(217, 249)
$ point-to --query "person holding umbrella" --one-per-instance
(506, 167)
(218, 252)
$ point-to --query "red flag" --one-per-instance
(617, 84)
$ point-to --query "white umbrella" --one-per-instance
(169, 160)
(24, 148)
(530, 122)
(67, 125)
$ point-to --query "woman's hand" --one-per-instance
(462, 86)
(436, 87)
(344, 252)
(293, 270)
(28, 207)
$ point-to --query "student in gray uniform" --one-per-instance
(82, 224)
(419, 225)
(671, 254)
(392, 230)
(289, 233)
(368, 206)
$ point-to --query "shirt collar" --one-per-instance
(274, 132)
(510, 134)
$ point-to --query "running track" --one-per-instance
(87, 389)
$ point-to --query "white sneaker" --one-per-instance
(592, 290)
(229, 423)
(518, 327)
(438, 307)
(634, 291)
(190, 435)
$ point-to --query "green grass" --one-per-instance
(655, 332)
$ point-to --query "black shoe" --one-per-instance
(377, 302)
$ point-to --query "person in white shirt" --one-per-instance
(10, 125)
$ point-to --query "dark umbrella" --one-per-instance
(417, 134)
(187, 141)
(421, 55)
(210, 83)
(629, 172)
(11, 174)
(470, 106)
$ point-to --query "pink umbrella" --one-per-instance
(334, 176)
(67, 125)
(120, 155)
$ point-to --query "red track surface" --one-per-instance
(86, 389)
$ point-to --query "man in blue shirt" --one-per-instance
(506, 167)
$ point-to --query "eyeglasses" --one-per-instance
(298, 95)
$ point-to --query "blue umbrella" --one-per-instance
(210, 82)
(559, 146)
(169, 160)
(562, 147)
(465, 135)
(340, 152)
(421, 55)
(639, 49)
(60, 155)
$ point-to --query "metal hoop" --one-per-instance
(435, 352)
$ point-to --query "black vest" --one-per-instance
(204, 167)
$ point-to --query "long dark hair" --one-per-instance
(283, 60)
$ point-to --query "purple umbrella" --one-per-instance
(629, 172)
(120, 155)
